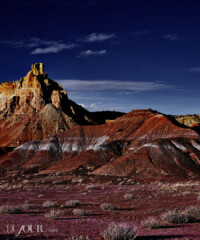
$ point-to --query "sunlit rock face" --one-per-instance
(188, 119)
(34, 90)
(142, 143)
(36, 107)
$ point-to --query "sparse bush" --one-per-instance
(80, 212)
(27, 206)
(59, 174)
(72, 203)
(108, 206)
(41, 195)
(128, 196)
(53, 214)
(49, 204)
(90, 187)
(120, 232)
(122, 183)
(193, 211)
(175, 217)
(10, 209)
(151, 223)
(79, 238)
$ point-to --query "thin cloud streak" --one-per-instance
(194, 69)
(89, 53)
(103, 85)
(171, 37)
(39, 46)
(99, 37)
(52, 49)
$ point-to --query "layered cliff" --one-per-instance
(36, 107)
(140, 143)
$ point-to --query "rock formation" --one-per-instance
(141, 143)
(188, 119)
(43, 131)
(35, 107)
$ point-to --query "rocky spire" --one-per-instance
(38, 69)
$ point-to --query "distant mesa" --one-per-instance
(188, 119)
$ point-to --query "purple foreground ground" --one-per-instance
(150, 198)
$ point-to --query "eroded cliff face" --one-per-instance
(35, 90)
(142, 143)
(35, 107)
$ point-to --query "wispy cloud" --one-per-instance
(194, 69)
(171, 37)
(89, 53)
(98, 95)
(99, 37)
(103, 85)
(55, 48)
(39, 46)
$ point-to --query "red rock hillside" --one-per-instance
(140, 143)
(36, 107)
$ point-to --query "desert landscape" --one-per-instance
(67, 173)
(99, 120)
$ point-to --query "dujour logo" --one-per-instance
(24, 229)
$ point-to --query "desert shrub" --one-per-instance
(10, 209)
(151, 223)
(90, 187)
(79, 238)
(41, 195)
(59, 174)
(175, 217)
(120, 232)
(72, 203)
(27, 206)
(53, 214)
(108, 206)
(48, 204)
(128, 196)
(80, 212)
(193, 211)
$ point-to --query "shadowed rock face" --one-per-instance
(36, 107)
(140, 143)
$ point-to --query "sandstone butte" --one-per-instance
(36, 107)
(142, 143)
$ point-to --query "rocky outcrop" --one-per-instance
(35, 90)
(38, 69)
(36, 107)
(188, 119)
(141, 143)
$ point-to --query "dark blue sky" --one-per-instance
(108, 54)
